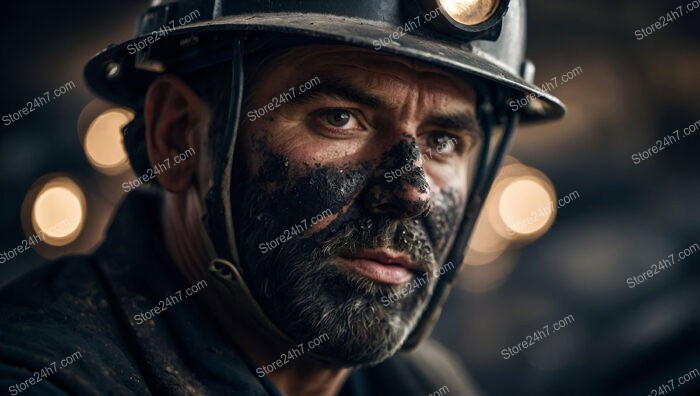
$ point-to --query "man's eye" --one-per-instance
(444, 143)
(340, 119)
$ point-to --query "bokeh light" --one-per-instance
(526, 206)
(485, 244)
(58, 211)
(520, 208)
(103, 141)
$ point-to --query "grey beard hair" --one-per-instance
(306, 295)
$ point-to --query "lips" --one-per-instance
(381, 265)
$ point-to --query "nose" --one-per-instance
(399, 187)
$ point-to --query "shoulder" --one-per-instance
(62, 292)
(428, 369)
(58, 321)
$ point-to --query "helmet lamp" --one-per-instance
(469, 12)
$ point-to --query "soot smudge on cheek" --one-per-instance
(283, 200)
(443, 220)
(290, 199)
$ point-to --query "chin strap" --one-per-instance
(488, 169)
(216, 199)
(232, 280)
(221, 244)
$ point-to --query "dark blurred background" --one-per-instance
(576, 260)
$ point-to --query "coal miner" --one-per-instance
(279, 259)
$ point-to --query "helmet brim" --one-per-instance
(539, 105)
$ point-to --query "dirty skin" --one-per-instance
(299, 285)
(280, 196)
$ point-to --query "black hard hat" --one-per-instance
(174, 35)
(482, 40)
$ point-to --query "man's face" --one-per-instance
(349, 191)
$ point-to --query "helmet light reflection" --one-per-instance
(469, 12)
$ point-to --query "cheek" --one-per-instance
(447, 177)
(444, 219)
(289, 193)
(249, 145)
(265, 149)
(321, 188)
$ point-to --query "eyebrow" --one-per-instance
(340, 89)
(456, 121)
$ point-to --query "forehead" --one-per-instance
(371, 69)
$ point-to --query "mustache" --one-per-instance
(351, 236)
(347, 235)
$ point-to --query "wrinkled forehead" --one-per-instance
(367, 68)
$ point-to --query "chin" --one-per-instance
(320, 298)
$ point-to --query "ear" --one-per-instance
(177, 120)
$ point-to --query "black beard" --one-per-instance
(306, 294)
(298, 282)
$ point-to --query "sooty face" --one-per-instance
(350, 191)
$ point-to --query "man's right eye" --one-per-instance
(340, 119)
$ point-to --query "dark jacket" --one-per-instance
(87, 304)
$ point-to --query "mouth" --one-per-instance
(381, 265)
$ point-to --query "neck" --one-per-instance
(302, 375)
